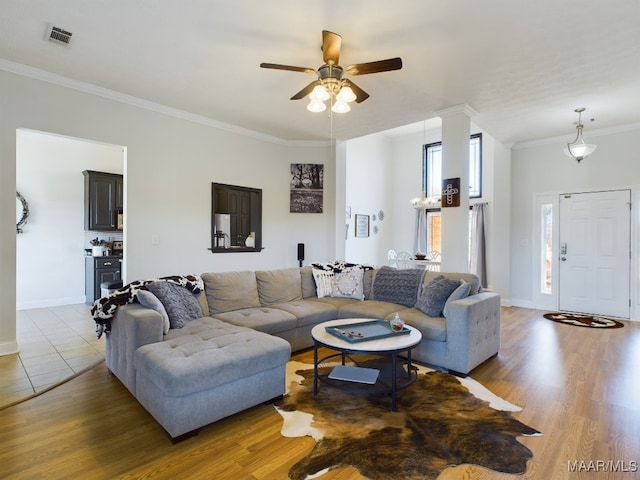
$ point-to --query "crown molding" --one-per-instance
(43, 75)
(456, 110)
(563, 139)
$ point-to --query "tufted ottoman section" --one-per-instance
(208, 370)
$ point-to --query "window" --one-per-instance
(432, 168)
(546, 243)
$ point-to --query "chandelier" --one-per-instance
(331, 86)
(579, 149)
(424, 202)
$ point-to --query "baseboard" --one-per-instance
(521, 303)
(50, 302)
(8, 348)
(505, 302)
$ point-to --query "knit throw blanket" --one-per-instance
(104, 309)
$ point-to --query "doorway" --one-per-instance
(50, 253)
(594, 253)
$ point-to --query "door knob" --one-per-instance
(564, 259)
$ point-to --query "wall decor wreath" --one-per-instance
(22, 215)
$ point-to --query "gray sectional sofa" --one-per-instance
(234, 356)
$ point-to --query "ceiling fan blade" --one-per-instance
(360, 94)
(331, 44)
(277, 66)
(305, 91)
(375, 67)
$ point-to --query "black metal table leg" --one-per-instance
(394, 382)
(315, 368)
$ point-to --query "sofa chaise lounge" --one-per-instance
(233, 355)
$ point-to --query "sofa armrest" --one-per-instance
(473, 331)
(132, 327)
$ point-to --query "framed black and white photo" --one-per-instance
(362, 225)
(306, 188)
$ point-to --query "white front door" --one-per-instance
(595, 253)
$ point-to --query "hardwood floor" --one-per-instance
(580, 387)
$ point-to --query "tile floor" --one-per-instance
(54, 343)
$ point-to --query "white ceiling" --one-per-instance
(524, 66)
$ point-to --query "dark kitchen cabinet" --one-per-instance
(98, 270)
(103, 200)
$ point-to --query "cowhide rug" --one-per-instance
(439, 423)
(583, 320)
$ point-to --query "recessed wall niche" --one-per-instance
(236, 218)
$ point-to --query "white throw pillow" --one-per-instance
(324, 282)
(349, 284)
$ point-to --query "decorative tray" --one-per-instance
(364, 331)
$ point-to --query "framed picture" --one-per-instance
(306, 188)
(450, 192)
(362, 225)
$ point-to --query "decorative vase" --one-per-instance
(250, 242)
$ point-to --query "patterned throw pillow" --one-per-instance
(349, 284)
(344, 284)
(435, 294)
(181, 305)
(397, 285)
(324, 282)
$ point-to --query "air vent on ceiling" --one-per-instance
(58, 35)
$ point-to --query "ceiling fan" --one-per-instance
(331, 83)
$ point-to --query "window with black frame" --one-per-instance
(432, 183)
(432, 167)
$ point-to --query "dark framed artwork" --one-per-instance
(306, 188)
(450, 192)
(362, 225)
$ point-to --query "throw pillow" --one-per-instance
(397, 285)
(349, 284)
(434, 295)
(461, 292)
(324, 282)
(181, 305)
(149, 300)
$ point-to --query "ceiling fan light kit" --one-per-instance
(330, 84)
(579, 149)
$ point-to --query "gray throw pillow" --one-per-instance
(461, 292)
(397, 285)
(149, 300)
(434, 295)
(181, 305)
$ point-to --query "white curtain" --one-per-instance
(420, 237)
(478, 247)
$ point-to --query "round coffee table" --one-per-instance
(360, 379)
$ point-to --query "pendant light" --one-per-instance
(579, 149)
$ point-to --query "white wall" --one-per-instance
(406, 183)
(171, 162)
(367, 193)
(545, 169)
(49, 175)
(400, 160)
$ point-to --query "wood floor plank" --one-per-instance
(578, 386)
